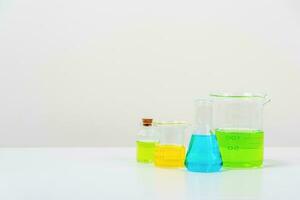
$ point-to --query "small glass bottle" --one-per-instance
(203, 154)
(146, 141)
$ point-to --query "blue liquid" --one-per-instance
(203, 154)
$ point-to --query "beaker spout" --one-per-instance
(267, 100)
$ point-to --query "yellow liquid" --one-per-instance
(169, 156)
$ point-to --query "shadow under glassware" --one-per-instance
(241, 183)
(180, 184)
(268, 163)
(203, 185)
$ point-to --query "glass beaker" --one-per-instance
(203, 154)
(170, 151)
(237, 122)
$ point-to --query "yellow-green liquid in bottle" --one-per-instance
(145, 151)
(241, 148)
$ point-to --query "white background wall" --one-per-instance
(83, 73)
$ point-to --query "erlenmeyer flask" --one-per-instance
(203, 154)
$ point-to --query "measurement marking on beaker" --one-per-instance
(233, 148)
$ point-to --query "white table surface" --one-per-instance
(112, 173)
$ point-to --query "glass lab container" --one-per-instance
(203, 154)
(145, 142)
(170, 151)
(238, 124)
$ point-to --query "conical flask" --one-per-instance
(203, 154)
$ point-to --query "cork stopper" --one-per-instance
(147, 121)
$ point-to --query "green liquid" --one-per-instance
(241, 148)
(145, 151)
